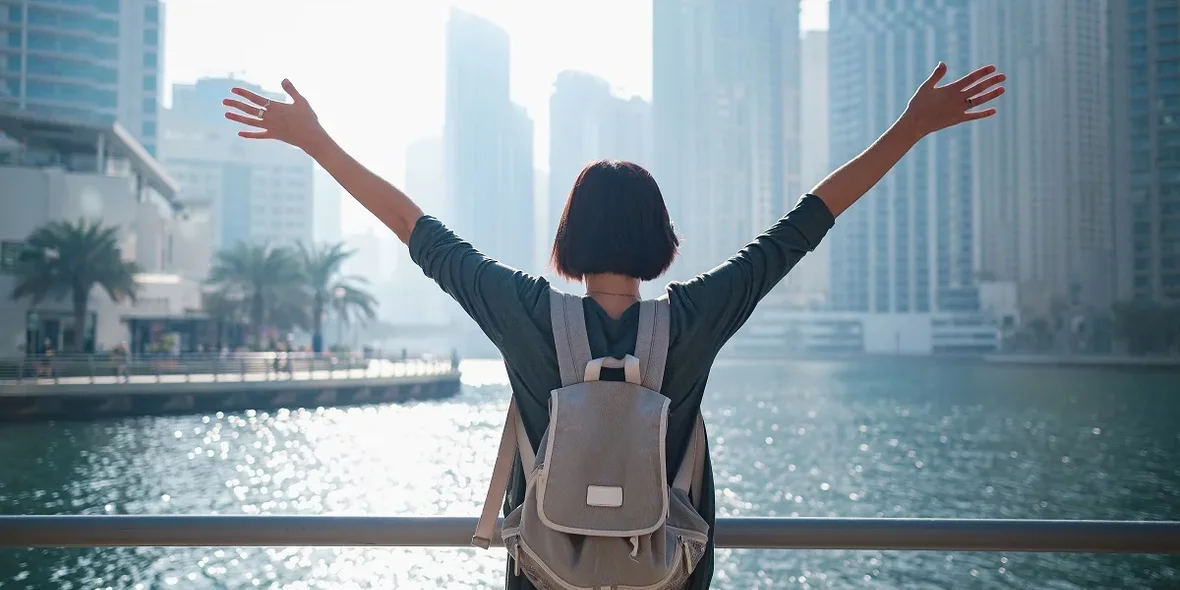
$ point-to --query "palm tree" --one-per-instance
(327, 285)
(257, 274)
(69, 259)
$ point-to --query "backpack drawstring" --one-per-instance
(634, 547)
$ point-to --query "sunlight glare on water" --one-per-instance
(796, 439)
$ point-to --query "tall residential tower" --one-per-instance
(1145, 147)
(725, 108)
(908, 246)
(488, 144)
(84, 61)
(1042, 168)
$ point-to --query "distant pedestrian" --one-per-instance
(120, 355)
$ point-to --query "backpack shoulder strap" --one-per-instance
(569, 336)
(512, 439)
(690, 474)
(651, 344)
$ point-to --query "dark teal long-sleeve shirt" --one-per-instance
(512, 308)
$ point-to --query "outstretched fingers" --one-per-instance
(973, 115)
(251, 96)
(264, 134)
(980, 86)
(987, 97)
(243, 119)
(253, 111)
(970, 79)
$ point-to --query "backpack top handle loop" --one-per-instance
(628, 363)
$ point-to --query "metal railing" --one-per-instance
(1073, 536)
(238, 366)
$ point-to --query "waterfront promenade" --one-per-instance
(88, 387)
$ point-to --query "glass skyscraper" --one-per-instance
(488, 143)
(907, 246)
(725, 121)
(1145, 100)
(84, 60)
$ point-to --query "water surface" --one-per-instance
(848, 438)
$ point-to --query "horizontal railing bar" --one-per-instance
(1074, 536)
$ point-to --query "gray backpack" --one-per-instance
(598, 512)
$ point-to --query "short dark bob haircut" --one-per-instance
(614, 221)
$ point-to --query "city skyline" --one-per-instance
(623, 58)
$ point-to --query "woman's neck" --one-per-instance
(615, 293)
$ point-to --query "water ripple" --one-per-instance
(800, 439)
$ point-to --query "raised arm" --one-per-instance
(296, 123)
(724, 297)
(497, 297)
(932, 108)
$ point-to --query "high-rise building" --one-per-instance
(725, 108)
(807, 284)
(260, 191)
(1145, 148)
(542, 240)
(907, 246)
(1042, 168)
(586, 123)
(327, 203)
(416, 299)
(425, 176)
(84, 61)
(488, 143)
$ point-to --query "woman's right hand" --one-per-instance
(933, 108)
(294, 123)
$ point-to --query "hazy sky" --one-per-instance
(373, 69)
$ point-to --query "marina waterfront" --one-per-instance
(809, 438)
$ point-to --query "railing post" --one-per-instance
(217, 367)
(90, 366)
(243, 361)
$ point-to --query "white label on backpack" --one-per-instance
(604, 496)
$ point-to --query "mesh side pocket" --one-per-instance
(529, 568)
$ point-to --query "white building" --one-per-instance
(65, 171)
(260, 191)
(1042, 169)
(89, 62)
(779, 333)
